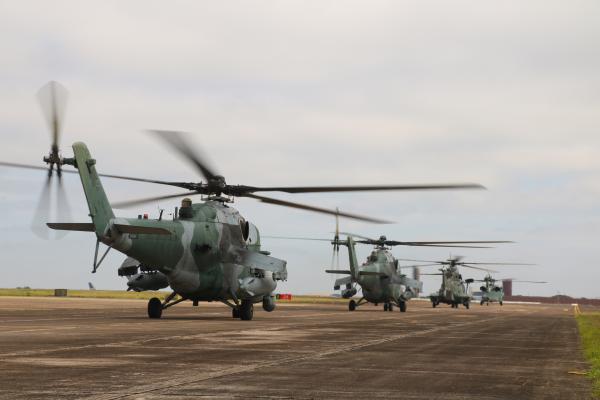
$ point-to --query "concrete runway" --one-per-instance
(108, 349)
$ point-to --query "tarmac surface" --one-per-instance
(108, 349)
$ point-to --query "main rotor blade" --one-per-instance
(479, 268)
(135, 202)
(424, 261)
(485, 263)
(417, 265)
(186, 185)
(176, 141)
(29, 166)
(294, 238)
(516, 280)
(317, 189)
(417, 244)
(53, 101)
(314, 209)
(358, 236)
(394, 243)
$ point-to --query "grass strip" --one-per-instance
(589, 329)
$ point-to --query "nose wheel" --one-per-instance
(245, 310)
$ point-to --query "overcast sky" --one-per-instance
(506, 94)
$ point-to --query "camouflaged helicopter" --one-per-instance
(454, 290)
(208, 251)
(379, 277)
(491, 292)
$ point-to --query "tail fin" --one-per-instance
(100, 209)
(352, 257)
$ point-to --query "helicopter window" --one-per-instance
(245, 227)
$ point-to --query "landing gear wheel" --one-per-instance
(385, 306)
(235, 312)
(481, 303)
(390, 307)
(500, 302)
(467, 304)
(154, 308)
(246, 310)
(352, 305)
(403, 306)
(433, 304)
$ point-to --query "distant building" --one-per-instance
(507, 286)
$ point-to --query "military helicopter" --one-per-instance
(208, 251)
(454, 290)
(379, 276)
(491, 292)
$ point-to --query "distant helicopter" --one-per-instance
(208, 251)
(491, 292)
(379, 276)
(454, 290)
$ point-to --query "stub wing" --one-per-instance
(342, 282)
(256, 260)
(408, 282)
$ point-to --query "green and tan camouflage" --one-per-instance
(208, 252)
(454, 290)
(490, 292)
(379, 278)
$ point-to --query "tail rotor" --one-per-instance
(52, 201)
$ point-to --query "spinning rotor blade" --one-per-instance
(27, 166)
(191, 186)
(53, 100)
(516, 280)
(394, 242)
(482, 263)
(136, 202)
(358, 236)
(177, 141)
(417, 265)
(424, 261)
(436, 245)
(42, 212)
(479, 268)
(313, 208)
(319, 189)
(294, 238)
(62, 206)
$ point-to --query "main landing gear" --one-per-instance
(156, 307)
(245, 311)
(402, 306)
(354, 304)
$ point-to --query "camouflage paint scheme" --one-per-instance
(453, 290)
(491, 292)
(212, 254)
(379, 279)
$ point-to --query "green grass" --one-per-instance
(93, 294)
(589, 329)
(122, 294)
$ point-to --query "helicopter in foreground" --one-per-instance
(208, 251)
(454, 290)
(492, 292)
